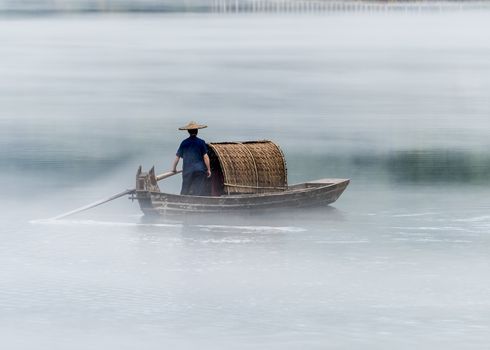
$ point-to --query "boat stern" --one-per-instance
(146, 183)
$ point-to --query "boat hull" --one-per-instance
(309, 194)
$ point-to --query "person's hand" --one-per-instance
(208, 173)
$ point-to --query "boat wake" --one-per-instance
(96, 223)
(478, 219)
(207, 228)
(253, 228)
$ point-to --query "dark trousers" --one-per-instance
(194, 184)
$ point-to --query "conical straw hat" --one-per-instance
(192, 126)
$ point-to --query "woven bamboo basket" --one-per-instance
(248, 167)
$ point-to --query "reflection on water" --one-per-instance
(376, 271)
(391, 101)
(440, 166)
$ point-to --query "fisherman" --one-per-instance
(196, 166)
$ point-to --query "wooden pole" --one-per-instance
(95, 204)
(167, 174)
(111, 198)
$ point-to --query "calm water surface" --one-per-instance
(397, 103)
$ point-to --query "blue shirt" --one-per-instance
(192, 150)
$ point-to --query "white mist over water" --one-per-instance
(396, 103)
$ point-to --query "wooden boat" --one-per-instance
(245, 176)
(312, 193)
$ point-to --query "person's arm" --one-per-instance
(208, 165)
(174, 165)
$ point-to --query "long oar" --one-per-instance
(168, 174)
(93, 205)
(111, 198)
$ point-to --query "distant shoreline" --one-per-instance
(32, 7)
